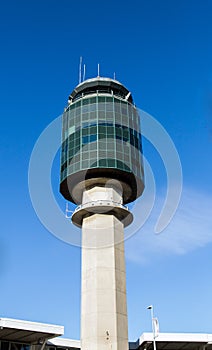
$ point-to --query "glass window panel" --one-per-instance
(111, 145)
(126, 134)
(71, 122)
(76, 158)
(102, 162)
(111, 162)
(118, 132)
(77, 166)
(119, 164)
(118, 118)
(92, 100)
(70, 158)
(101, 114)
(64, 166)
(93, 130)
(102, 153)
(93, 146)
(102, 129)
(130, 122)
(130, 110)
(117, 108)
(85, 164)
(78, 104)
(71, 130)
(63, 175)
(94, 164)
(93, 115)
(109, 107)
(132, 139)
(110, 130)
(93, 138)
(101, 99)
(78, 111)
(70, 169)
(101, 106)
(92, 108)
(77, 144)
(71, 145)
(119, 146)
(125, 167)
(77, 134)
(124, 110)
(85, 109)
(126, 156)
(85, 101)
(85, 117)
(71, 113)
(84, 131)
(84, 125)
(109, 116)
(102, 145)
(109, 99)
(93, 154)
(124, 121)
(85, 155)
(85, 139)
(110, 154)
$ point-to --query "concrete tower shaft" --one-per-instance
(103, 304)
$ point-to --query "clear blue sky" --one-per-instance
(161, 50)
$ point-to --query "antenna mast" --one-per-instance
(98, 70)
(83, 73)
(80, 70)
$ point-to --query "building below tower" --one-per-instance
(25, 335)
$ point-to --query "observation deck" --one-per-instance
(101, 140)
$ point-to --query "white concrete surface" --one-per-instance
(177, 337)
(103, 296)
(11, 323)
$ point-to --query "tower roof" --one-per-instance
(101, 84)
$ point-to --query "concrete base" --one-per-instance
(103, 300)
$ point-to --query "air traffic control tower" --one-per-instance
(102, 171)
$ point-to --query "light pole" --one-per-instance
(153, 325)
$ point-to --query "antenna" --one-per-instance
(80, 70)
(98, 70)
(127, 96)
(83, 73)
(114, 75)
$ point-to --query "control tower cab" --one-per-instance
(101, 141)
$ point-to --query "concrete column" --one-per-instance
(103, 295)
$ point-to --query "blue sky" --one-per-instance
(161, 50)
